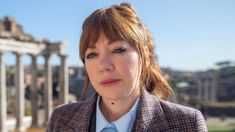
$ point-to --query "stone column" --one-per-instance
(199, 89)
(63, 81)
(48, 88)
(206, 89)
(34, 92)
(3, 105)
(214, 88)
(20, 100)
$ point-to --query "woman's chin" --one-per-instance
(112, 97)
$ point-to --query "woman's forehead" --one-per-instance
(102, 39)
(107, 43)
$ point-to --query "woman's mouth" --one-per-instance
(109, 82)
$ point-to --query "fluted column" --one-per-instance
(3, 113)
(214, 88)
(199, 89)
(34, 96)
(63, 81)
(20, 100)
(48, 88)
(206, 89)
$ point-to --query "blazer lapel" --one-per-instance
(81, 120)
(150, 116)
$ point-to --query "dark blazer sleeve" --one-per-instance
(200, 122)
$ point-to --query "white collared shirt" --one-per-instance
(123, 124)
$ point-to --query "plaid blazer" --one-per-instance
(153, 115)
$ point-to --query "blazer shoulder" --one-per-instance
(68, 107)
(67, 111)
(176, 109)
(62, 115)
(183, 116)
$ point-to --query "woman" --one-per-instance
(118, 54)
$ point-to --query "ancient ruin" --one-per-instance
(14, 39)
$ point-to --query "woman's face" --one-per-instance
(113, 68)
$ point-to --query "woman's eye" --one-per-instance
(91, 55)
(119, 50)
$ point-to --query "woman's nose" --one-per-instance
(106, 64)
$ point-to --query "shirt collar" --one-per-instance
(101, 122)
(123, 124)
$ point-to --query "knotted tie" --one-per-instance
(109, 128)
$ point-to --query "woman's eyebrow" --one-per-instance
(93, 46)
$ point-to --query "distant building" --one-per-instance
(211, 85)
(226, 84)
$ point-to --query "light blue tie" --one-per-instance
(109, 129)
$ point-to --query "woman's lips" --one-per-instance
(109, 82)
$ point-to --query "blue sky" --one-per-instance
(188, 35)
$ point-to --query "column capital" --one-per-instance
(33, 55)
(18, 53)
(2, 52)
(48, 55)
(63, 55)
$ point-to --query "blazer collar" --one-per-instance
(81, 120)
(150, 115)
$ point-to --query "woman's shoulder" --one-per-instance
(66, 111)
(179, 115)
(173, 108)
(169, 108)
(64, 117)
(71, 107)
(167, 115)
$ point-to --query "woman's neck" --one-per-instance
(113, 110)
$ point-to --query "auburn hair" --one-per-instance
(120, 22)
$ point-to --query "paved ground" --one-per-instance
(36, 130)
(220, 122)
